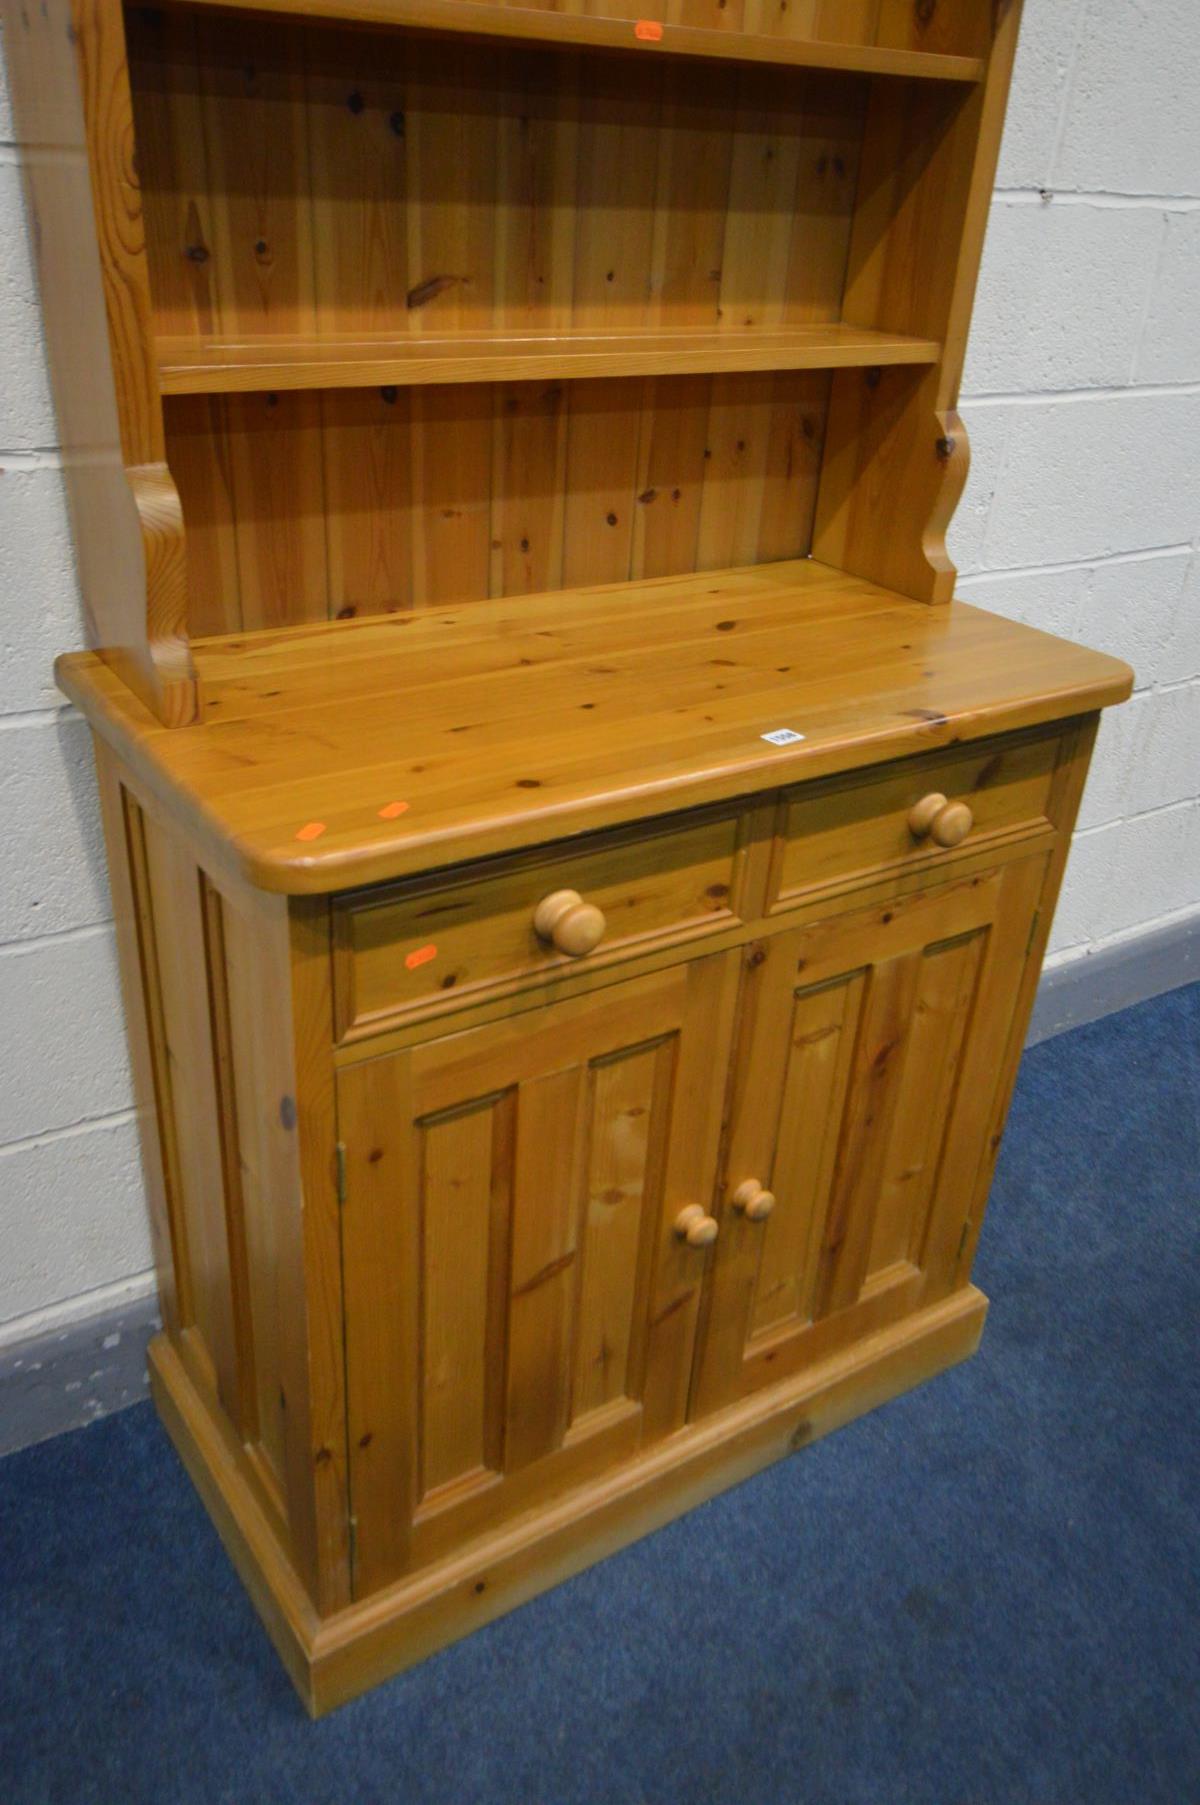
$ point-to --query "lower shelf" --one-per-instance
(333, 1659)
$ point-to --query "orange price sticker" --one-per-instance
(420, 955)
(312, 830)
(649, 30)
(390, 810)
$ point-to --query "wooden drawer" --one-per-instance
(850, 830)
(454, 937)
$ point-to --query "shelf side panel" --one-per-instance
(71, 102)
(929, 162)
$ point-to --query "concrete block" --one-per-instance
(1062, 293)
(1053, 600)
(1080, 916)
(987, 434)
(1181, 654)
(1131, 123)
(1165, 751)
(1158, 862)
(72, 1217)
(73, 1065)
(1131, 609)
(1105, 798)
(7, 128)
(55, 875)
(1096, 476)
(1129, 875)
(26, 410)
(1039, 85)
(1170, 347)
(41, 612)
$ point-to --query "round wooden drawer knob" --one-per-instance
(570, 924)
(946, 823)
(752, 1201)
(952, 824)
(694, 1227)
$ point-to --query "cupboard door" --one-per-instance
(519, 1309)
(869, 1052)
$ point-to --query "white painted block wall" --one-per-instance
(1082, 515)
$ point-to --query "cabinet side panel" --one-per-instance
(296, 974)
(1064, 806)
(271, 1009)
(259, 1182)
(238, 1010)
(136, 954)
(382, 1260)
(175, 901)
(227, 1252)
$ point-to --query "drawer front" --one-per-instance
(452, 938)
(850, 830)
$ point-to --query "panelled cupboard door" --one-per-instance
(520, 1311)
(870, 1047)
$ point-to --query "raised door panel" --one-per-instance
(869, 1051)
(519, 1309)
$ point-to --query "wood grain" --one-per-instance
(626, 1117)
(427, 946)
(928, 167)
(859, 1092)
(570, 712)
(333, 1661)
(834, 42)
(532, 1169)
(503, 210)
(302, 506)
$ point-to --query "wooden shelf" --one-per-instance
(505, 723)
(533, 25)
(225, 366)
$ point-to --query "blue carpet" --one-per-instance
(983, 1594)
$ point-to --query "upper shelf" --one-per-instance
(534, 25)
(226, 366)
(349, 752)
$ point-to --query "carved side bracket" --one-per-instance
(953, 451)
(893, 459)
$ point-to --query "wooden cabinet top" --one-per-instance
(340, 754)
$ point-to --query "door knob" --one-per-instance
(752, 1201)
(946, 823)
(695, 1227)
(570, 924)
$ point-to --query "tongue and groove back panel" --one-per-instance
(316, 183)
(308, 506)
(307, 179)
